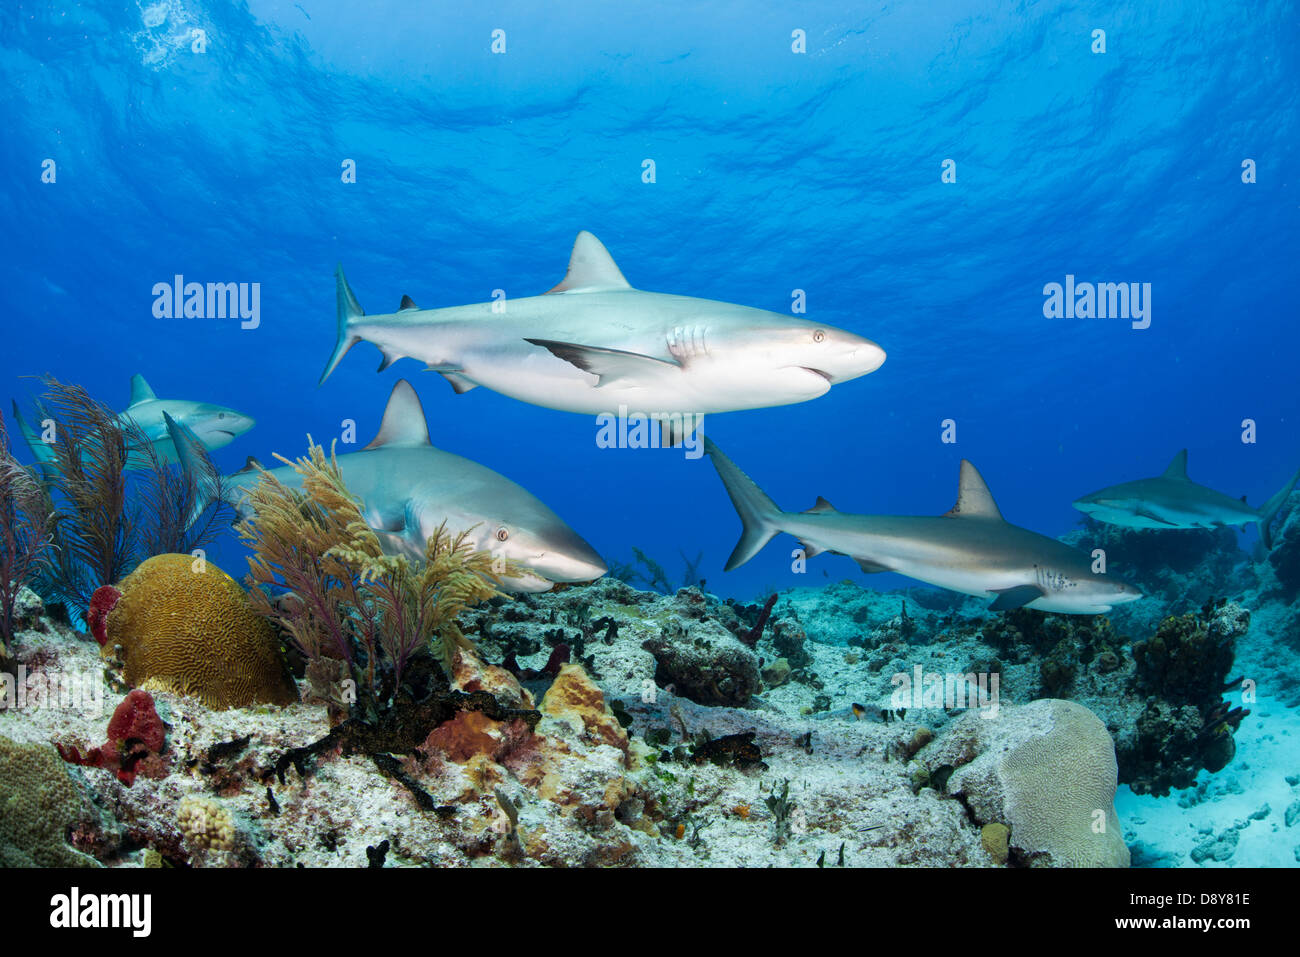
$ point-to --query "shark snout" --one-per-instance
(567, 558)
(856, 357)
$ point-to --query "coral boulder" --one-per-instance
(186, 627)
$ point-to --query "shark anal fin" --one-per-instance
(675, 429)
(810, 550)
(591, 269)
(821, 506)
(1017, 597)
(609, 365)
(870, 567)
(974, 500)
(407, 303)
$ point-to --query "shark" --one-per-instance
(1172, 500)
(408, 488)
(593, 344)
(970, 548)
(214, 425)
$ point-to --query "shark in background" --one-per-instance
(408, 488)
(970, 549)
(215, 426)
(593, 343)
(1172, 500)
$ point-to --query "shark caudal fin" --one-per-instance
(41, 452)
(348, 312)
(1270, 510)
(757, 512)
(198, 468)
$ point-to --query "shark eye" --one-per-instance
(819, 335)
(221, 415)
(503, 533)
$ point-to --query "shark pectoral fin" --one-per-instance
(1148, 513)
(460, 385)
(1017, 597)
(609, 365)
(870, 567)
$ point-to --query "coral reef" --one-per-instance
(205, 824)
(42, 805)
(1045, 770)
(185, 626)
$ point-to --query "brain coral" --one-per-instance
(1047, 771)
(39, 805)
(187, 628)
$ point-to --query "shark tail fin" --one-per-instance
(198, 468)
(42, 453)
(1270, 510)
(757, 512)
(348, 311)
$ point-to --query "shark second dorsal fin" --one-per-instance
(251, 464)
(974, 500)
(140, 391)
(1178, 467)
(821, 506)
(403, 419)
(591, 268)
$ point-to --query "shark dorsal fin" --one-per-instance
(821, 506)
(974, 500)
(251, 464)
(1178, 467)
(140, 391)
(403, 419)
(591, 268)
(407, 303)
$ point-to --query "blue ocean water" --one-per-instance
(775, 171)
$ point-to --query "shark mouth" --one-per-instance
(824, 375)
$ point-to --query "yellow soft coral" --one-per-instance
(187, 627)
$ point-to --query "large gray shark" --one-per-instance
(408, 488)
(593, 344)
(969, 549)
(1172, 500)
(214, 425)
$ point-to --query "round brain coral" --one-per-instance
(186, 627)
(1047, 771)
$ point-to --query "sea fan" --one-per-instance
(24, 532)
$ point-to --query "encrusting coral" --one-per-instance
(185, 626)
(39, 805)
(345, 599)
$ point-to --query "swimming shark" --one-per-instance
(408, 488)
(969, 549)
(214, 425)
(1172, 500)
(593, 343)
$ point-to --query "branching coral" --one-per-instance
(343, 597)
(24, 533)
(105, 519)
